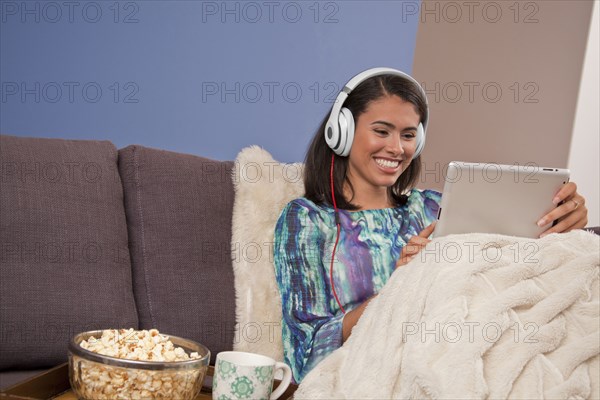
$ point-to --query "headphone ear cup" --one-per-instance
(346, 122)
(420, 140)
(343, 133)
(332, 134)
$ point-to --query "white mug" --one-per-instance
(240, 375)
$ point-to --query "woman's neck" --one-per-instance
(367, 198)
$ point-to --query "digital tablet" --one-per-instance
(495, 198)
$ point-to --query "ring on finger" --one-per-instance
(576, 204)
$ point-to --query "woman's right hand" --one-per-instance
(415, 245)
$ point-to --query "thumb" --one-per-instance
(428, 230)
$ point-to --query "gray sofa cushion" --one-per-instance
(594, 229)
(10, 378)
(65, 263)
(179, 219)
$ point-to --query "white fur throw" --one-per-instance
(263, 187)
(477, 317)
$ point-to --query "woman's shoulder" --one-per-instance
(303, 203)
(304, 207)
(424, 206)
(428, 198)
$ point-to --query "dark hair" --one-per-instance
(318, 158)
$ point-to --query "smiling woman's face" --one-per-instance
(384, 144)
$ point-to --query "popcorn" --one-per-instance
(98, 381)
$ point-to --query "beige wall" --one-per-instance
(518, 67)
(584, 157)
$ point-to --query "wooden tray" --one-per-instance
(54, 384)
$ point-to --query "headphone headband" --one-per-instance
(341, 143)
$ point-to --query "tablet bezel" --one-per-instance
(497, 198)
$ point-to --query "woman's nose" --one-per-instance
(395, 145)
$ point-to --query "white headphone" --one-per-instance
(339, 130)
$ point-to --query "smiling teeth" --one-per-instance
(386, 163)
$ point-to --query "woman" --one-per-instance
(360, 218)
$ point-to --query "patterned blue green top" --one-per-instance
(369, 246)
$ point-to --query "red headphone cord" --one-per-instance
(337, 236)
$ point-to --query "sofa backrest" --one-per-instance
(179, 210)
(64, 258)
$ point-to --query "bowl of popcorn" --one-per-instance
(136, 364)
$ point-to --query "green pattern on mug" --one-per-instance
(226, 369)
(242, 387)
(224, 397)
(264, 374)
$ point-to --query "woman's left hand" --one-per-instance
(571, 214)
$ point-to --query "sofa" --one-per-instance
(94, 237)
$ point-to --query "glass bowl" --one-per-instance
(96, 376)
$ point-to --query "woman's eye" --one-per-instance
(381, 132)
(409, 135)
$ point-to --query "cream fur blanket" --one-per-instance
(480, 317)
(263, 187)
